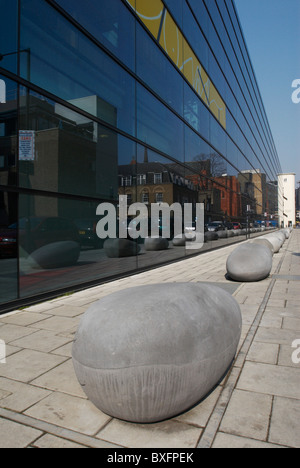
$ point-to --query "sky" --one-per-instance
(272, 32)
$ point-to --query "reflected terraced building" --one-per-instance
(153, 99)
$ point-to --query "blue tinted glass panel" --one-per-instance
(175, 8)
(8, 246)
(8, 34)
(66, 63)
(156, 70)
(8, 131)
(109, 22)
(195, 112)
(194, 36)
(158, 126)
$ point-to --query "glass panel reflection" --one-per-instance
(158, 126)
(8, 34)
(8, 247)
(110, 22)
(8, 131)
(160, 181)
(64, 62)
(60, 248)
(71, 154)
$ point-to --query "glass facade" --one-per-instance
(148, 102)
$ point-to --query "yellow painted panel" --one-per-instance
(131, 3)
(217, 105)
(150, 12)
(171, 40)
(193, 72)
(206, 86)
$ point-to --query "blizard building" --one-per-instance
(156, 100)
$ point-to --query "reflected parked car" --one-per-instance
(36, 232)
(215, 226)
(8, 243)
(237, 226)
(87, 233)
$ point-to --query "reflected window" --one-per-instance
(159, 197)
(158, 178)
(141, 179)
(145, 197)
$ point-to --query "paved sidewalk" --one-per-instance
(257, 405)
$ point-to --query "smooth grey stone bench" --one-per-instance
(56, 255)
(149, 353)
(250, 262)
(156, 243)
(117, 248)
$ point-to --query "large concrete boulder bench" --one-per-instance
(118, 248)
(250, 262)
(282, 236)
(210, 236)
(222, 234)
(56, 255)
(264, 242)
(179, 241)
(149, 353)
(286, 232)
(156, 243)
(275, 241)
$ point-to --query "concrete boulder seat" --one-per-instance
(149, 353)
(156, 243)
(222, 234)
(249, 263)
(264, 242)
(118, 248)
(210, 236)
(56, 255)
(179, 241)
(190, 236)
(281, 236)
(286, 232)
(230, 233)
(275, 241)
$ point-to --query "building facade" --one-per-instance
(287, 209)
(156, 100)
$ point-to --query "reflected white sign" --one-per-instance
(26, 145)
(2, 92)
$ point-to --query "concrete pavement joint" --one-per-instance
(48, 428)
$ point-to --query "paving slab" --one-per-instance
(15, 435)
